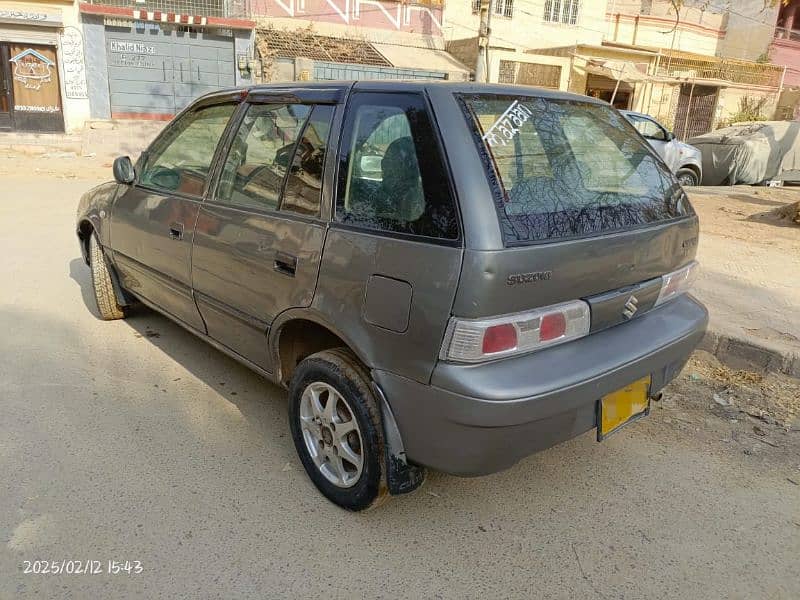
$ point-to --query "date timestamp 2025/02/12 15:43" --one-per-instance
(82, 567)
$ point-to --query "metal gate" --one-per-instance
(695, 112)
(156, 69)
(526, 73)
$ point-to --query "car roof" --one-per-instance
(413, 85)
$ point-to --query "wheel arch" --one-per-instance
(694, 169)
(84, 231)
(298, 333)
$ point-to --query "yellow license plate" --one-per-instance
(623, 406)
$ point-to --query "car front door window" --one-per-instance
(180, 160)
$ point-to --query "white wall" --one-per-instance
(750, 29)
(526, 29)
(76, 110)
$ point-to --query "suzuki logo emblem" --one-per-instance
(630, 307)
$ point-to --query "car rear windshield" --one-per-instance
(566, 168)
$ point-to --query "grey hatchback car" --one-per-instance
(443, 275)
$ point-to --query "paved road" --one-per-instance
(132, 440)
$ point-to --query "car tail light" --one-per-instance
(499, 338)
(678, 282)
(476, 340)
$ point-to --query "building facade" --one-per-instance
(750, 29)
(63, 62)
(148, 60)
(635, 54)
(784, 48)
(352, 39)
(42, 68)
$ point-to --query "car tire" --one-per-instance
(101, 282)
(687, 177)
(330, 390)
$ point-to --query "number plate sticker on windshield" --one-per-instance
(619, 408)
(507, 126)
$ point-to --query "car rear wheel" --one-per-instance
(101, 282)
(336, 427)
(687, 177)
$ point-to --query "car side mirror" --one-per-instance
(123, 170)
(670, 136)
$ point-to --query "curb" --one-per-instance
(738, 353)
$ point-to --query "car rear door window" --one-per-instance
(567, 168)
(180, 160)
(303, 191)
(259, 157)
(391, 173)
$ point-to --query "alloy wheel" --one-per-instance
(331, 434)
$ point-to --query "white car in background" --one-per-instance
(684, 160)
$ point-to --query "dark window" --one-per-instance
(179, 161)
(259, 156)
(304, 182)
(564, 168)
(391, 175)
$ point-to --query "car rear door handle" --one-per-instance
(176, 231)
(286, 264)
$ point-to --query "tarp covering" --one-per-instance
(750, 153)
(616, 69)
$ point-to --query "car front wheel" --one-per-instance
(101, 283)
(336, 427)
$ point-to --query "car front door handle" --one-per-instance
(286, 264)
(176, 231)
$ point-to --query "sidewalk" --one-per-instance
(103, 139)
(750, 276)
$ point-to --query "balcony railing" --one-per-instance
(201, 8)
(683, 65)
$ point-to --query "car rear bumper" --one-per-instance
(479, 419)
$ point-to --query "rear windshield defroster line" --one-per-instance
(565, 168)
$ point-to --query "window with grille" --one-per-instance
(561, 11)
(502, 8)
(524, 73)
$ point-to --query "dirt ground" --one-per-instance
(757, 215)
(54, 165)
(751, 409)
(749, 253)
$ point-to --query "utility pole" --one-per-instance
(482, 63)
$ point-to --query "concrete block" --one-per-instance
(738, 353)
(710, 342)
